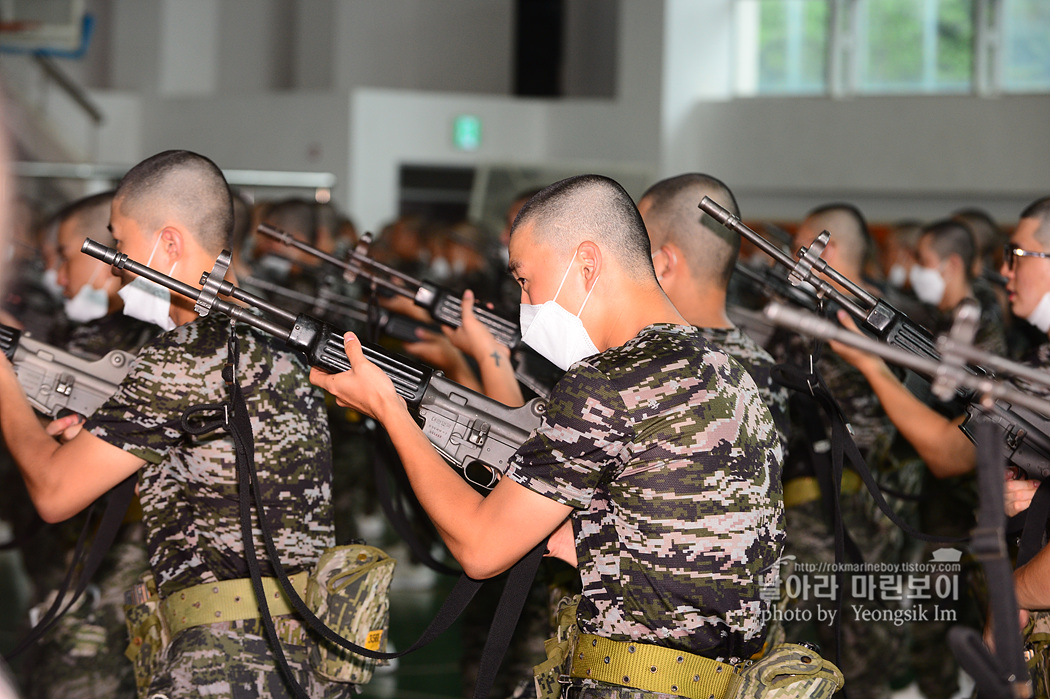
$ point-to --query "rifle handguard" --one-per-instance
(324, 349)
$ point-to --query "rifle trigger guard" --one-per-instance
(210, 292)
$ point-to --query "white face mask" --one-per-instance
(898, 275)
(274, 267)
(1040, 315)
(50, 282)
(440, 270)
(88, 303)
(147, 300)
(928, 284)
(554, 332)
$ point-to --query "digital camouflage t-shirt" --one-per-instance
(188, 486)
(670, 457)
(739, 345)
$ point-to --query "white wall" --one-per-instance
(894, 156)
(451, 45)
(390, 128)
(300, 131)
(434, 59)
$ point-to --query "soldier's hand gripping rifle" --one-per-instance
(475, 434)
(443, 305)
(56, 381)
(1025, 431)
(1002, 674)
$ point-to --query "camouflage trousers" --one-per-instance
(602, 690)
(872, 652)
(1037, 652)
(83, 656)
(232, 660)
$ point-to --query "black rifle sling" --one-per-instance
(509, 609)
(997, 675)
(843, 443)
(117, 501)
(385, 464)
(1035, 521)
(829, 478)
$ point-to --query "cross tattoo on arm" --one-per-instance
(495, 357)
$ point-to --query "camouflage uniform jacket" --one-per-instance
(739, 345)
(112, 331)
(670, 457)
(871, 428)
(188, 486)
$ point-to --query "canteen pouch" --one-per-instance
(788, 671)
(348, 591)
(147, 637)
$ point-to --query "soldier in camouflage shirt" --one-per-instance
(871, 652)
(83, 656)
(694, 257)
(1027, 270)
(656, 466)
(663, 448)
(174, 209)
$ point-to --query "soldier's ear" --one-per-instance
(172, 244)
(590, 255)
(665, 261)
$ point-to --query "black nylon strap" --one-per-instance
(1033, 533)
(1001, 674)
(511, 601)
(117, 501)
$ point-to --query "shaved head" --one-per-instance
(949, 237)
(181, 187)
(848, 229)
(590, 207)
(1040, 211)
(90, 216)
(673, 216)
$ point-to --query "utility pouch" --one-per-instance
(553, 673)
(348, 591)
(147, 634)
(787, 671)
(1037, 652)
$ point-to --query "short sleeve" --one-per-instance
(144, 416)
(580, 443)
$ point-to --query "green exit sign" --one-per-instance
(466, 132)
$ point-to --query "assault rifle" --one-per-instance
(55, 380)
(1020, 417)
(878, 317)
(777, 285)
(472, 432)
(1024, 430)
(330, 304)
(442, 304)
(530, 369)
(1002, 674)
